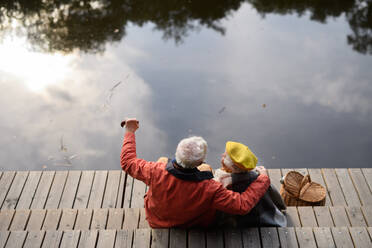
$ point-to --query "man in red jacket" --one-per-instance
(179, 195)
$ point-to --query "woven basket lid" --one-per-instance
(303, 188)
(292, 183)
(312, 192)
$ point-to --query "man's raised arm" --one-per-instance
(137, 168)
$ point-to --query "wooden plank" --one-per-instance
(139, 190)
(69, 192)
(341, 237)
(351, 196)
(286, 170)
(5, 183)
(143, 222)
(42, 190)
(339, 216)
(99, 219)
(106, 238)
(56, 190)
(128, 191)
(36, 220)
(360, 237)
(177, 238)
(29, 190)
(34, 239)
(368, 228)
(361, 186)
(293, 219)
(16, 239)
(323, 237)
(367, 213)
(233, 238)
(3, 237)
(112, 188)
(88, 239)
(15, 190)
(334, 188)
(83, 192)
(251, 238)
(120, 197)
(6, 217)
(317, 176)
(305, 237)
(159, 239)
(303, 171)
(275, 176)
(70, 239)
(196, 238)
(52, 219)
(52, 239)
(20, 220)
(98, 189)
(269, 237)
(142, 238)
(287, 237)
(307, 216)
(214, 238)
(83, 219)
(355, 216)
(131, 218)
(115, 218)
(323, 216)
(68, 219)
(367, 172)
(124, 238)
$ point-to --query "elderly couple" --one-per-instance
(184, 193)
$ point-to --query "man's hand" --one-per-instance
(131, 125)
(261, 170)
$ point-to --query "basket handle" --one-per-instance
(305, 181)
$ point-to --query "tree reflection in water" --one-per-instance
(358, 14)
(87, 25)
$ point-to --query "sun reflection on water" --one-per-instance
(35, 69)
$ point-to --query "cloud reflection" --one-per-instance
(35, 69)
(72, 109)
(314, 67)
(315, 91)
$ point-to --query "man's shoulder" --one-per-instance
(213, 185)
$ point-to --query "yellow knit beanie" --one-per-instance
(241, 155)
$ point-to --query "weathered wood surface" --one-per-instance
(42, 190)
(134, 218)
(253, 237)
(62, 209)
(323, 237)
(56, 189)
(114, 188)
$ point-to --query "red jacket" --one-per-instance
(172, 202)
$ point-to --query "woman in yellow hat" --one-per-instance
(238, 171)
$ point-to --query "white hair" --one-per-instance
(230, 164)
(191, 152)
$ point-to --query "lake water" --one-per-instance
(292, 80)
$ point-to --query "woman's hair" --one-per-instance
(191, 152)
(230, 164)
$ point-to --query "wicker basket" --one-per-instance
(299, 190)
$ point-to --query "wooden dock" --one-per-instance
(105, 209)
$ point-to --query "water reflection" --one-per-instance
(358, 14)
(87, 25)
(71, 124)
(289, 88)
